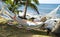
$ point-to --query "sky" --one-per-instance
(49, 1)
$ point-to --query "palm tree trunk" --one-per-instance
(38, 12)
(25, 10)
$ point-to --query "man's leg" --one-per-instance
(48, 31)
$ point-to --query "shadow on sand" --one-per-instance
(13, 31)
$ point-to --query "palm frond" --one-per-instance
(36, 1)
(34, 7)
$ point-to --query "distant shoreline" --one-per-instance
(48, 3)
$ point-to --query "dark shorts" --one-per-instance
(48, 29)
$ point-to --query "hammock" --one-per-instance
(7, 12)
(53, 13)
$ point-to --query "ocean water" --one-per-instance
(42, 8)
(47, 7)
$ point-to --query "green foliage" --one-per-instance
(13, 5)
(9, 2)
(36, 1)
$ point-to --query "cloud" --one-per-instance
(50, 1)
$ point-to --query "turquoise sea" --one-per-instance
(43, 9)
(47, 7)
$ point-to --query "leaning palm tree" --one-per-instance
(27, 3)
(32, 5)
